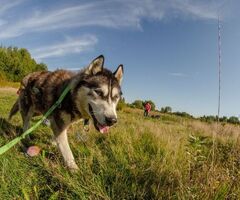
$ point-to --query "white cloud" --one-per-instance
(6, 5)
(205, 10)
(177, 74)
(69, 46)
(114, 14)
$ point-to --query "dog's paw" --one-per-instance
(72, 166)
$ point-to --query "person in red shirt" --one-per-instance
(147, 109)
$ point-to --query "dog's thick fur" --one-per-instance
(95, 92)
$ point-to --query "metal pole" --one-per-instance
(219, 68)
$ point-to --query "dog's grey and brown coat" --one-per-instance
(95, 92)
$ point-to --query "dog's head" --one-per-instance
(99, 92)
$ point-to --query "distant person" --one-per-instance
(147, 109)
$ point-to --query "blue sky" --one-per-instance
(168, 48)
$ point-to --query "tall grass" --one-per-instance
(142, 158)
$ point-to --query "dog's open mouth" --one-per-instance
(100, 127)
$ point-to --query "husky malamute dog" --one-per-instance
(94, 94)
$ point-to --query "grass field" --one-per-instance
(4, 84)
(141, 158)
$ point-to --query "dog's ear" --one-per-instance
(95, 66)
(119, 74)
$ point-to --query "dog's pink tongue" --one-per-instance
(104, 129)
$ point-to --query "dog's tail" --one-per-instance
(14, 109)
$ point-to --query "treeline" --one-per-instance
(15, 63)
(168, 110)
(232, 119)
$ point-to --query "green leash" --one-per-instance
(9, 145)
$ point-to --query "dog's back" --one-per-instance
(43, 88)
(40, 90)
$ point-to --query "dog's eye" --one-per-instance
(99, 92)
(116, 97)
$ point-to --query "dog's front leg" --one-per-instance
(63, 145)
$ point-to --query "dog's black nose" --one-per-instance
(110, 120)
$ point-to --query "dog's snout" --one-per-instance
(110, 120)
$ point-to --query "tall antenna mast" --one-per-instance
(219, 88)
(219, 67)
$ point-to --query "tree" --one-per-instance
(233, 120)
(41, 66)
(223, 119)
(16, 63)
(209, 119)
(166, 109)
(138, 104)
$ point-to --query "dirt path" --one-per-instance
(8, 89)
